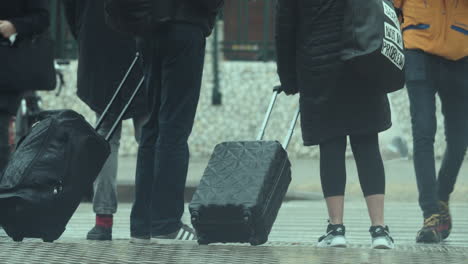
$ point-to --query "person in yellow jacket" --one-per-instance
(436, 40)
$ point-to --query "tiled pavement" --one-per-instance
(292, 240)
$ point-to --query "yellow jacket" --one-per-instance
(439, 27)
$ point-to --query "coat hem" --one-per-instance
(129, 115)
(310, 143)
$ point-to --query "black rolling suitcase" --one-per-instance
(50, 171)
(242, 189)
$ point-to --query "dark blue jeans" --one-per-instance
(173, 61)
(428, 75)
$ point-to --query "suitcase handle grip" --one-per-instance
(268, 114)
(288, 138)
(277, 90)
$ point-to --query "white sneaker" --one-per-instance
(381, 238)
(335, 237)
(140, 240)
(185, 233)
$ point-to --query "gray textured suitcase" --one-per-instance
(242, 189)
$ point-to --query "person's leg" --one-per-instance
(422, 83)
(140, 218)
(422, 88)
(454, 98)
(9, 104)
(5, 118)
(333, 179)
(183, 47)
(371, 174)
(333, 176)
(138, 123)
(372, 178)
(105, 187)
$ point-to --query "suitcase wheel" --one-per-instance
(254, 242)
(18, 239)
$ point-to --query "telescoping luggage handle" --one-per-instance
(277, 90)
(105, 113)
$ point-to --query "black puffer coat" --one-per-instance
(29, 17)
(309, 45)
(104, 57)
(200, 12)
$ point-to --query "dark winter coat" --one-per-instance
(200, 12)
(104, 57)
(309, 45)
(29, 17)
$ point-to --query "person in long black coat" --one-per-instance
(104, 57)
(334, 105)
(21, 19)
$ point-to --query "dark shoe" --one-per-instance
(100, 233)
(445, 226)
(184, 233)
(430, 231)
(335, 237)
(381, 238)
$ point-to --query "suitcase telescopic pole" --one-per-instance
(117, 92)
(277, 90)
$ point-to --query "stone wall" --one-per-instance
(246, 89)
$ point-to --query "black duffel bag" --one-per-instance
(373, 45)
(139, 17)
(52, 168)
(28, 65)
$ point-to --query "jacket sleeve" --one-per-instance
(286, 14)
(35, 20)
(213, 6)
(70, 7)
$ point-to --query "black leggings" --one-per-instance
(368, 160)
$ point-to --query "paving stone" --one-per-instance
(292, 240)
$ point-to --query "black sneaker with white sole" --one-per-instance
(335, 237)
(185, 233)
(381, 238)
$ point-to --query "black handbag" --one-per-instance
(373, 44)
(28, 65)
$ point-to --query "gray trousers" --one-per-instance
(105, 186)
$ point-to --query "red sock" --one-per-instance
(104, 220)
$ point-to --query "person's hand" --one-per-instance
(7, 28)
(399, 13)
(286, 89)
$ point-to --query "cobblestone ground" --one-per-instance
(292, 240)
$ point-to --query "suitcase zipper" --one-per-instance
(274, 188)
(49, 132)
